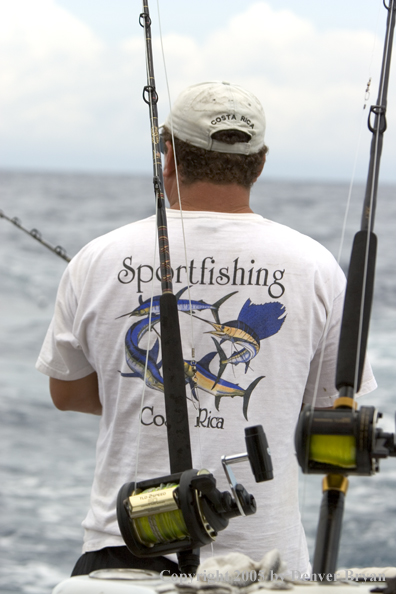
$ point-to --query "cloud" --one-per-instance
(60, 86)
(66, 97)
(310, 82)
(47, 54)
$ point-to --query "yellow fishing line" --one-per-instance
(162, 527)
(339, 450)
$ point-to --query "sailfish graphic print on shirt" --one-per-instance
(229, 343)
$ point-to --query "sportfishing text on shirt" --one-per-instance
(234, 275)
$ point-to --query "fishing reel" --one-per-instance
(185, 511)
(342, 440)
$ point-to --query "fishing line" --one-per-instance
(196, 388)
(165, 526)
(343, 230)
(149, 324)
(362, 119)
(156, 165)
(178, 193)
(193, 359)
(347, 208)
(368, 226)
(173, 375)
(352, 349)
(352, 181)
(358, 145)
(372, 197)
(154, 260)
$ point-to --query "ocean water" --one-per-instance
(47, 457)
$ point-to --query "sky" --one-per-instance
(72, 74)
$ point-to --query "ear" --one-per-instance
(169, 164)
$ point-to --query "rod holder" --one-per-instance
(330, 525)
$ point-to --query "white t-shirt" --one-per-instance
(261, 295)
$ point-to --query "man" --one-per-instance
(262, 296)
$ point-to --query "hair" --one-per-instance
(197, 164)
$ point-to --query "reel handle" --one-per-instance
(258, 453)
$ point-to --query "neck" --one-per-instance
(211, 197)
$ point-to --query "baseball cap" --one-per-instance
(205, 108)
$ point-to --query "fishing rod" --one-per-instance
(345, 440)
(183, 511)
(36, 234)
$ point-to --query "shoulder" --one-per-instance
(309, 257)
(298, 238)
(299, 245)
(113, 241)
(98, 259)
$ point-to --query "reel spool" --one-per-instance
(185, 511)
(342, 440)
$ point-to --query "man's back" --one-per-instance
(254, 300)
(261, 294)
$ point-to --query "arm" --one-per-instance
(80, 395)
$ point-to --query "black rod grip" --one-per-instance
(329, 533)
(188, 561)
(174, 386)
(349, 348)
(259, 453)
